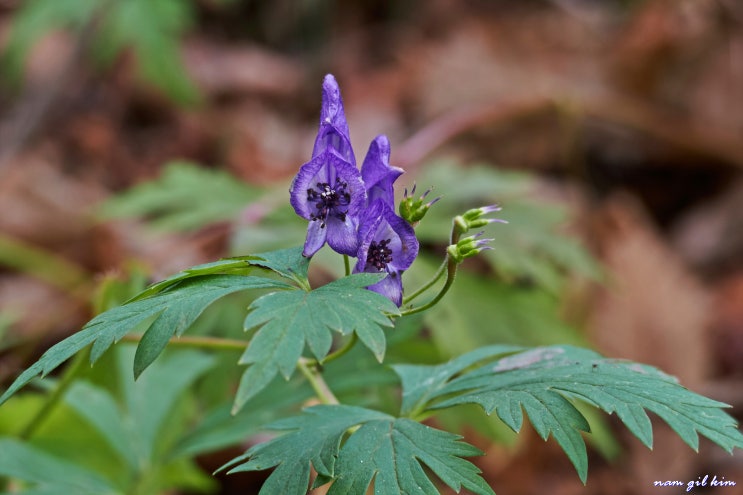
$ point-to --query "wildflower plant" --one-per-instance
(293, 326)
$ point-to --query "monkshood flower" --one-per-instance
(328, 190)
(387, 243)
(377, 174)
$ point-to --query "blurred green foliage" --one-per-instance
(104, 442)
(170, 202)
(150, 29)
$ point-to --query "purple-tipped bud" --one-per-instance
(473, 219)
(468, 247)
(414, 209)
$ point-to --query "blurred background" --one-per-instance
(140, 137)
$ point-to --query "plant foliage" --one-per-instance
(163, 310)
(290, 319)
(131, 437)
(353, 446)
(168, 201)
(291, 325)
(544, 381)
(349, 446)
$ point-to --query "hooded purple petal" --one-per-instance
(333, 133)
(386, 243)
(377, 173)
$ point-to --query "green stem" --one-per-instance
(450, 265)
(439, 273)
(311, 372)
(451, 272)
(343, 350)
(53, 399)
(347, 264)
(308, 367)
(214, 343)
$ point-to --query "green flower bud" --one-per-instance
(414, 209)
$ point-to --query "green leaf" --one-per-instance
(173, 311)
(388, 450)
(100, 409)
(150, 402)
(289, 320)
(543, 381)
(168, 201)
(136, 428)
(36, 18)
(152, 29)
(220, 428)
(51, 474)
(392, 451)
(314, 438)
(421, 383)
(289, 263)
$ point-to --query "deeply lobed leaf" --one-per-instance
(542, 381)
(388, 451)
(289, 320)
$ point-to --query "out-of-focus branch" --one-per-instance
(712, 143)
(462, 120)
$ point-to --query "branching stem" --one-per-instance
(310, 371)
(437, 276)
(308, 367)
(448, 266)
(343, 350)
(451, 271)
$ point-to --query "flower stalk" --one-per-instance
(308, 367)
(311, 372)
(458, 250)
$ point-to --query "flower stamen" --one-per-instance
(379, 255)
(329, 199)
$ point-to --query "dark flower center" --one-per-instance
(329, 199)
(379, 255)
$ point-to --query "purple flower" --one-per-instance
(328, 190)
(377, 173)
(387, 243)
